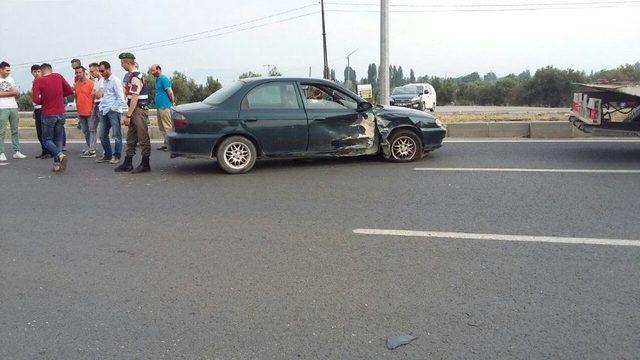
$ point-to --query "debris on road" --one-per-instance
(394, 342)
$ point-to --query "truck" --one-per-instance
(607, 109)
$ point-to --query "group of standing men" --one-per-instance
(100, 102)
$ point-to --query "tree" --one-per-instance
(249, 74)
(350, 77)
(372, 74)
(490, 77)
(212, 85)
(552, 87)
(274, 72)
(25, 102)
(473, 77)
(150, 82)
(400, 77)
(525, 75)
(412, 77)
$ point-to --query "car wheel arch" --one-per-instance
(385, 145)
(251, 138)
(405, 127)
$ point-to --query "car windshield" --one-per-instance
(223, 94)
(405, 90)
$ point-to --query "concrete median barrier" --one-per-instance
(468, 130)
(551, 130)
(509, 129)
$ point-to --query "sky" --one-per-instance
(432, 37)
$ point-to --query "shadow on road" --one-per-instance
(273, 165)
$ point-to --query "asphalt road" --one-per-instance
(188, 263)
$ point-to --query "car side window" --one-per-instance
(319, 97)
(271, 96)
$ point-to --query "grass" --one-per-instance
(494, 117)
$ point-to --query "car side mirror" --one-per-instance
(364, 106)
(426, 92)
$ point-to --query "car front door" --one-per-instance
(272, 112)
(335, 124)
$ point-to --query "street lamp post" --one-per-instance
(384, 53)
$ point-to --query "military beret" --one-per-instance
(126, 55)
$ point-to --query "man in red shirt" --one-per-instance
(50, 91)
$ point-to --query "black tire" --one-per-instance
(405, 146)
(433, 108)
(236, 155)
(421, 106)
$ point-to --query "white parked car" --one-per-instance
(417, 96)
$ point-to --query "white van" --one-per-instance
(418, 96)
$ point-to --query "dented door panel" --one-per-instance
(341, 132)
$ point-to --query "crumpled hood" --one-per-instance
(389, 113)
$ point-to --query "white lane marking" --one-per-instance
(498, 237)
(579, 171)
(615, 140)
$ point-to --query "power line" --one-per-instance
(485, 10)
(620, 2)
(151, 45)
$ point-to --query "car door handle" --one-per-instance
(319, 118)
(251, 119)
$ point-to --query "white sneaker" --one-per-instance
(3, 157)
(19, 155)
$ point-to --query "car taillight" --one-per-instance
(179, 121)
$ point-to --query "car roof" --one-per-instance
(292, 79)
(418, 84)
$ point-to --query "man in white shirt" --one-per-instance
(96, 116)
(8, 111)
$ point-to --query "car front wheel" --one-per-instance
(405, 146)
(236, 155)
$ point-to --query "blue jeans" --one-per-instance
(108, 121)
(84, 125)
(53, 133)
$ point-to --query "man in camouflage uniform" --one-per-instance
(137, 116)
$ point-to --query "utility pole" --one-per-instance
(384, 53)
(349, 66)
(324, 43)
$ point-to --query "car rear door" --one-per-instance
(272, 112)
(335, 125)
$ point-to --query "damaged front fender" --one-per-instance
(391, 118)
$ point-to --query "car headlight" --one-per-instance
(439, 123)
(415, 98)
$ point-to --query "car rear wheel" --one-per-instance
(433, 107)
(236, 155)
(405, 145)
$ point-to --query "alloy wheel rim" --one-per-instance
(237, 155)
(403, 148)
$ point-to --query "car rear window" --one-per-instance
(223, 94)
